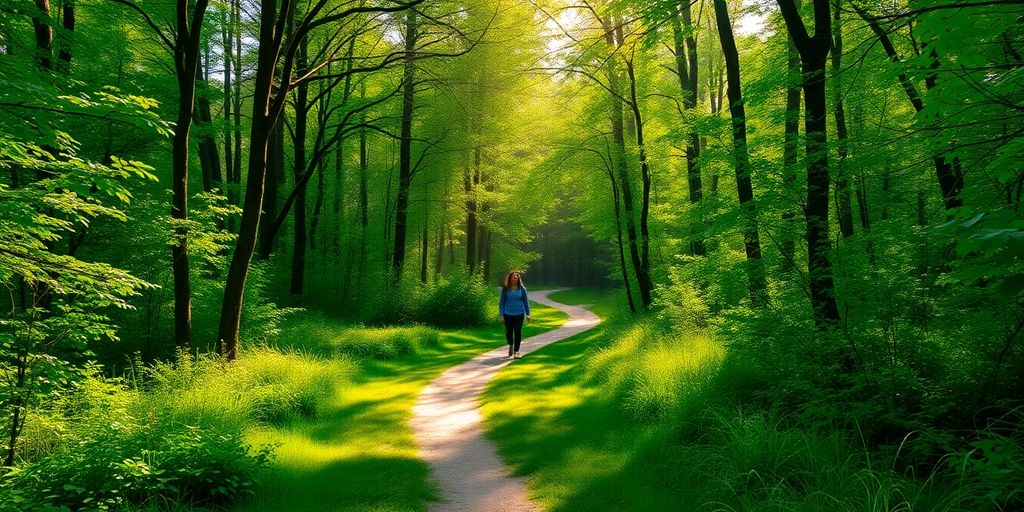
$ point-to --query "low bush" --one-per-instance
(264, 386)
(456, 300)
(657, 374)
(384, 342)
(167, 435)
(459, 300)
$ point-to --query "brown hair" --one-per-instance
(507, 282)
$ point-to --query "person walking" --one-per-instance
(513, 308)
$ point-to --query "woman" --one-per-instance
(513, 307)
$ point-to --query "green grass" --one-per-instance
(628, 418)
(359, 453)
(551, 424)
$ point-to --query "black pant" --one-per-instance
(514, 330)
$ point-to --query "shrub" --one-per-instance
(657, 374)
(265, 386)
(117, 449)
(459, 300)
(384, 342)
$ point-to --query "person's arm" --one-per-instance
(526, 303)
(501, 303)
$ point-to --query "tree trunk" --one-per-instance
(643, 275)
(227, 26)
(813, 56)
(467, 182)
(622, 167)
(44, 34)
(209, 157)
(619, 244)
(789, 152)
(275, 166)
(951, 180)
(299, 147)
(186, 62)
(318, 206)
(686, 66)
(67, 36)
(405, 145)
(264, 118)
(235, 186)
(756, 284)
(844, 206)
(424, 249)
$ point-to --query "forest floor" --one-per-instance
(360, 454)
(447, 425)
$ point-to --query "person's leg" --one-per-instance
(509, 333)
(518, 332)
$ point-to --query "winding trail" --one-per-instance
(447, 425)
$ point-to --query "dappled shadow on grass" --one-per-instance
(580, 450)
(359, 454)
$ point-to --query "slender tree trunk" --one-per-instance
(951, 180)
(275, 166)
(467, 182)
(756, 282)
(227, 26)
(644, 282)
(790, 152)
(186, 62)
(424, 249)
(619, 244)
(18, 404)
(686, 66)
(318, 206)
(299, 146)
(44, 34)
(209, 157)
(619, 159)
(813, 56)
(439, 256)
(235, 180)
(844, 206)
(67, 36)
(405, 144)
(264, 118)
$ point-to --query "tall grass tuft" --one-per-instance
(168, 435)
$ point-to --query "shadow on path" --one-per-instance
(447, 425)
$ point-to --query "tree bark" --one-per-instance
(264, 118)
(687, 69)
(844, 206)
(227, 26)
(187, 44)
(813, 56)
(471, 225)
(756, 283)
(299, 147)
(235, 176)
(67, 36)
(275, 167)
(44, 34)
(209, 157)
(644, 282)
(619, 244)
(405, 145)
(789, 152)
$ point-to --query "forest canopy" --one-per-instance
(830, 189)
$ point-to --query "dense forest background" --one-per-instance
(828, 189)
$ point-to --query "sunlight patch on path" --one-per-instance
(447, 425)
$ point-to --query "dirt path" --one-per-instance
(446, 422)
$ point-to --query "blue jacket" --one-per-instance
(514, 302)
